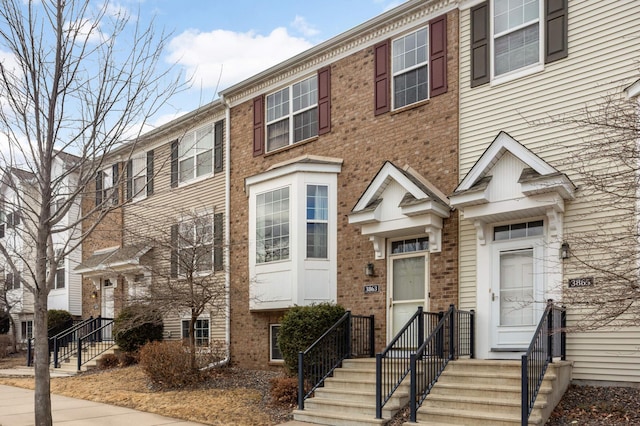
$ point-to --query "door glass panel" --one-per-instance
(516, 288)
(408, 278)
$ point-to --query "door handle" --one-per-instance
(390, 301)
(493, 297)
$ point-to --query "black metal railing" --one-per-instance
(96, 342)
(548, 342)
(452, 337)
(52, 331)
(352, 336)
(393, 363)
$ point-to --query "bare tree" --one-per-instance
(186, 267)
(606, 164)
(77, 79)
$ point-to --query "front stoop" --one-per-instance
(70, 366)
(349, 398)
(488, 392)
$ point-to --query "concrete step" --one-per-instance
(336, 419)
(488, 391)
(451, 416)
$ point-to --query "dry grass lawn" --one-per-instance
(128, 387)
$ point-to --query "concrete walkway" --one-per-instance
(16, 409)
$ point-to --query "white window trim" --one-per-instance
(520, 72)
(290, 116)
(405, 70)
(315, 221)
(289, 221)
(185, 318)
(142, 193)
(193, 219)
(195, 178)
(271, 358)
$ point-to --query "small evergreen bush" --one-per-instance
(5, 322)
(137, 325)
(303, 325)
(58, 320)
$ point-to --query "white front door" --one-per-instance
(408, 286)
(108, 305)
(517, 295)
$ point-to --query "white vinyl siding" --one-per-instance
(603, 59)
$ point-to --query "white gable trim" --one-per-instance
(502, 143)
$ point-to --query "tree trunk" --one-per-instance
(42, 400)
(192, 341)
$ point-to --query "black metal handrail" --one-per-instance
(548, 341)
(63, 345)
(451, 338)
(393, 363)
(352, 336)
(96, 342)
(69, 325)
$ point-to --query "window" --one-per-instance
(317, 221)
(292, 114)
(195, 154)
(57, 204)
(2, 228)
(517, 230)
(201, 331)
(408, 246)
(516, 34)
(410, 68)
(26, 328)
(106, 189)
(140, 176)
(195, 245)
(60, 280)
(12, 281)
(272, 226)
(274, 348)
(13, 219)
(506, 36)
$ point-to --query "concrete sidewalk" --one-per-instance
(16, 409)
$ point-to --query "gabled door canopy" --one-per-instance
(400, 202)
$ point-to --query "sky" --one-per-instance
(219, 43)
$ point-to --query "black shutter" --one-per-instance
(258, 126)
(149, 172)
(218, 229)
(324, 100)
(114, 180)
(174, 163)
(129, 180)
(555, 44)
(174, 251)
(438, 56)
(382, 81)
(99, 179)
(480, 55)
(217, 147)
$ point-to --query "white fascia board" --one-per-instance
(402, 227)
(558, 184)
(503, 142)
(526, 206)
(633, 91)
(426, 208)
(367, 216)
(388, 171)
(470, 198)
(308, 167)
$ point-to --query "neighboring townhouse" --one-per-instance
(19, 202)
(169, 230)
(527, 70)
(340, 161)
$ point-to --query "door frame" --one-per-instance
(404, 255)
(539, 291)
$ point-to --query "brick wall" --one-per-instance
(424, 136)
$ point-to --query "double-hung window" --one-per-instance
(195, 245)
(26, 329)
(201, 331)
(317, 221)
(60, 280)
(274, 348)
(516, 35)
(106, 189)
(292, 114)
(410, 68)
(272, 225)
(12, 281)
(140, 176)
(195, 154)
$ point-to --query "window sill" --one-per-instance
(288, 147)
(518, 74)
(195, 180)
(410, 107)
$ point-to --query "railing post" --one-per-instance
(413, 392)
(349, 323)
(420, 326)
(29, 353)
(440, 339)
(525, 392)
(550, 331)
(378, 386)
(472, 334)
(301, 380)
(79, 352)
(56, 363)
(372, 337)
(452, 331)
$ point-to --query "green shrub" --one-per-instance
(303, 325)
(137, 325)
(58, 320)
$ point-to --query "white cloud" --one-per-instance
(305, 28)
(229, 56)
